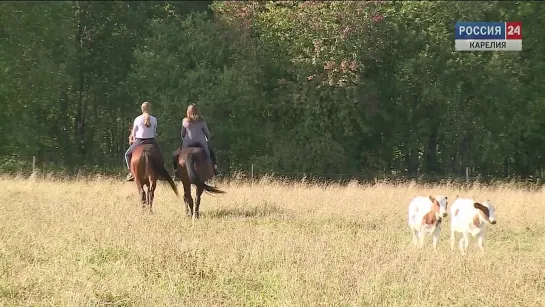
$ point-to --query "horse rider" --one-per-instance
(195, 133)
(144, 129)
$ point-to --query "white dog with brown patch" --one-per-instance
(425, 216)
(470, 218)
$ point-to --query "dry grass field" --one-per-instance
(87, 243)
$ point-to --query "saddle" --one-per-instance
(199, 145)
(148, 141)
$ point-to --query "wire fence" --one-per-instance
(253, 174)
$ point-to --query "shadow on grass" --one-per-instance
(265, 209)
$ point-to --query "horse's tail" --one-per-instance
(191, 172)
(152, 165)
(194, 177)
(210, 189)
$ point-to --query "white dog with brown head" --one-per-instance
(425, 216)
(470, 218)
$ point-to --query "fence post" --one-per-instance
(252, 174)
(33, 175)
(467, 173)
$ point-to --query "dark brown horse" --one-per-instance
(194, 167)
(147, 167)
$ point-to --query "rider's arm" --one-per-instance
(131, 136)
(134, 128)
(205, 130)
(185, 123)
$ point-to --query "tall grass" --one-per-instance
(88, 243)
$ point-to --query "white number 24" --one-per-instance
(511, 30)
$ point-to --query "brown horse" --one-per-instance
(147, 167)
(194, 167)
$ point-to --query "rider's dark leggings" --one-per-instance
(212, 155)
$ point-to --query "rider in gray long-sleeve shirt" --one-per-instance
(195, 132)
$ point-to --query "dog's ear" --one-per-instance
(482, 208)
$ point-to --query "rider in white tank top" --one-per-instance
(143, 132)
(140, 132)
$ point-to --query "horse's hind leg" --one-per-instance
(151, 195)
(148, 194)
(141, 191)
(145, 196)
(198, 202)
(188, 200)
(189, 205)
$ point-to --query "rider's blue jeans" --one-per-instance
(129, 151)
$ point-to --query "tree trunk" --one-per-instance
(79, 119)
(431, 154)
(464, 156)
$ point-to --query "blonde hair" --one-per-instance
(193, 114)
(146, 109)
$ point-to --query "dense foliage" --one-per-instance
(366, 88)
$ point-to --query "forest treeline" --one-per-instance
(363, 88)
